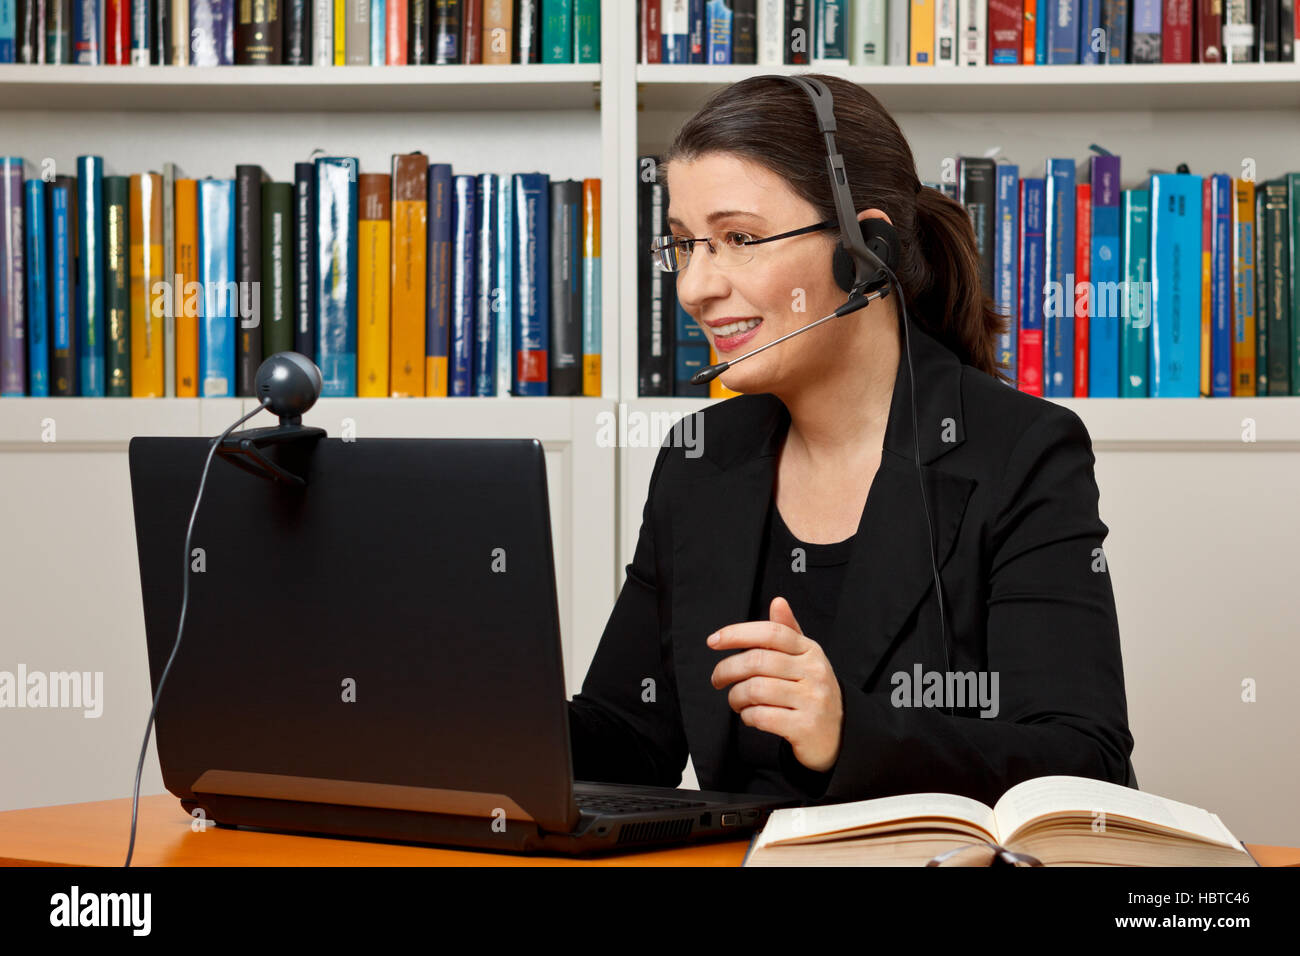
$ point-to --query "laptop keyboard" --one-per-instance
(630, 803)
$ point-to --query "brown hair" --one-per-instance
(771, 122)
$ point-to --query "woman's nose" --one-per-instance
(700, 280)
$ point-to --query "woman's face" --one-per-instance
(786, 285)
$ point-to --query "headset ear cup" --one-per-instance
(881, 238)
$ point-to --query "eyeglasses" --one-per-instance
(731, 249)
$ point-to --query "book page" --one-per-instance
(794, 822)
(1047, 795)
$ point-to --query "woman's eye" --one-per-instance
(738, 238)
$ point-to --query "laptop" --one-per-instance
(377, 655)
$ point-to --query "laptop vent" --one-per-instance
(656, 830)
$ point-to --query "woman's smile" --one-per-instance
(732, 335)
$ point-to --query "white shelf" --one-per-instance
(456, 87)
(1124, 86)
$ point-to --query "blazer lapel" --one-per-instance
(889, 572)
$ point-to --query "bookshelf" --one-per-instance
(1186, 499)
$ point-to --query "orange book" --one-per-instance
(922, 51)
(1029, 37)
(187, 271)
(591, 310)
(374, 276)
(498, 31)
(410, 249)
(146, 268)
(716, 388)
(1245, 311)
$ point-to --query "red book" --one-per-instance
(395, 33)
(1006, 28)
(651, 41)
(1176, 31)
(1209, 31)
(1029, 342)
(1082, 275)
(117, 32)
(472, 33)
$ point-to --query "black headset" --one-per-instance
(864, 262)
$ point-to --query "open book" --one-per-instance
(1061, 821)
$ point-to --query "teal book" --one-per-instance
(1175, 285)
(1136, 269)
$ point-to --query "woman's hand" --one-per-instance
(783, 684)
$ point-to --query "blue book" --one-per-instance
(87, 25)
(38, 291)
(591, 300)
(1135, 249)
(690, 354)
(1175, 285)
(1221, 193)
(378, 33)
(1006, 253)
(7, 27)
(1090, 34)
(505, 315)
(336, 291)
(63, 360)
(487, 282)
(698, 43)
(532, 256)
(718, 32)
(140, 38)
(675, 32)
(437, 331)
(220, 300)
(91, 322)
(304, 259)
(1062, 30)
(1042, 9)
(212, 32)
(464, 200)
(1114, 20)
(1058, 311)
(1029, 345)
(1108, 289)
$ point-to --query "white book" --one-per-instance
(897, 35)
(867, 32)
(973, 23)
(771, 32)
(945, 32)
(322, 33)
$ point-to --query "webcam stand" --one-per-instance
(245, 449)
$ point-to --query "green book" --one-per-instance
(1134, 360)
(1293, 279)
(1278, 222)
(277, 268)
(117, 285)
(1261, 292)
(586, 31)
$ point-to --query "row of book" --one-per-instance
(415, 282)
(1187, 285)
(299, 32)
(966, 32)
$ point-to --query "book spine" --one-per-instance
(798, 33)
(180, 32)
(1107, 304)
(529, 32)
(445, 30)
(654, 369)
(63, 330)
(1221, 202)
(395, 16)
(378, 32)
(498, 31)
(1114, 20)
(1092, 42)
(1175, 285)
(674, 31)
(212, 31)
(1176, 31)
(417, 32)
(322, 32)
(297, 32)
(145, 232)
(591, 293)
(483, 327)
(356, 38)
(188, 303)
(1207, 294)
(505, 316)
(117, 32)
(651, 37)
(218, 305)
(117, 285)
(1145, 42)
(461, 329)
(1058, 313)
(340, 16)
(1262, 297)
(564, 357)
(58, 33)
(1081, 305)
(922, 27)
(437, 337)
(90, 275)
(972, 40)
(160, 53)
(86, 47)
(1243, 277)
(141, 32)
(471, 45)
(168, 275)
(532, 240)
(718, 27)
(945, 32)
(13, 310)
(1134, 348)
(248, 275)
(1029, 346)
(38, 290)
(690, 353)
(374, 236)
(305, 280)
(1291, 266)
(1006, 246)
(586, 31)
(1209, 30)
(410, 207)
(277, 268)
(695, 31)
(336, 294)
(259, 33)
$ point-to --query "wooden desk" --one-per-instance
(95, 834)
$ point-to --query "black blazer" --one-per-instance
(1013, 501)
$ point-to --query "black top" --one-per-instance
(810, 580)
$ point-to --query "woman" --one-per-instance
(779, 621)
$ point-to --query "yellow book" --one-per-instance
(410, 249)
(146, 268)
(1245, 310)
(373, 278)
(187, 271)
(922, 33)
(340, 29)
(716, 388)
(591, 310)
